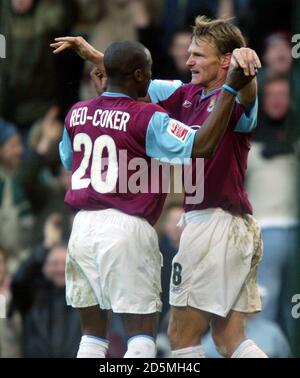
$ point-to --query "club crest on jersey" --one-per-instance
(187, 104)
(211, 105)
(178, 130)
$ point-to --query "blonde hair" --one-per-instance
(221, 32)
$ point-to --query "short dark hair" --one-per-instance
(123, 58)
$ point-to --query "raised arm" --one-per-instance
(210, 134)
(81, 47)
(87, 52)
(168, 139)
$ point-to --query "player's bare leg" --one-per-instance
(187, 325)
(140, 330)
(94, 326)
(230, 338)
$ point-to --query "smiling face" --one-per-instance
(204, 62)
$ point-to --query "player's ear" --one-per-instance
(138, 75)
(225, 60)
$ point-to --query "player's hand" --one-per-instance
(51, 131)
(247, 59)
(99, 80)
(78, 44)
(236, 78)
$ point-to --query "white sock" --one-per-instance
(248, 349)
(92, 347)
(141, 346)
(191, 352)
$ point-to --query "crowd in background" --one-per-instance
(37, 89)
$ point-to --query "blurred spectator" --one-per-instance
(56, 229)
(44, 178)
(147, 16)
(89, 12)
(123, 20)
(28, 79)
(265, 17)
(50, 327)
(16, 218)
(182, 13)
(271, 183)
(10, 328)
(117, 24)
(277, 59)
(175, 67)
(178, 14)
(169, 243)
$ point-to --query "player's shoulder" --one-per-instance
(148, 108)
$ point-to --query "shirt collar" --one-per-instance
(115, 94)
(203, 96)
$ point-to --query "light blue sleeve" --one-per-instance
(248, 120)
(169, 140)
(65, 151)
(160, 90)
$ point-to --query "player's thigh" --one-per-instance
(187, 325)
(140, 324)
(130, 269)
(185, 264)
(94, 321)
(82, 283)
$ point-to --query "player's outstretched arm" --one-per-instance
(208, 137)
(87, 52)
(81, 47)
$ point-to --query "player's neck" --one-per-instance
(213, 85)
(119, 89)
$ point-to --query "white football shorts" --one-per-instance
(215, 269)
(113, 261)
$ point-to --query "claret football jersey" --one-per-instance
(224, 174)
(112, 144)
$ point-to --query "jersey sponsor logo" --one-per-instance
(211, 105)
(187, 104)
(178, 130)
